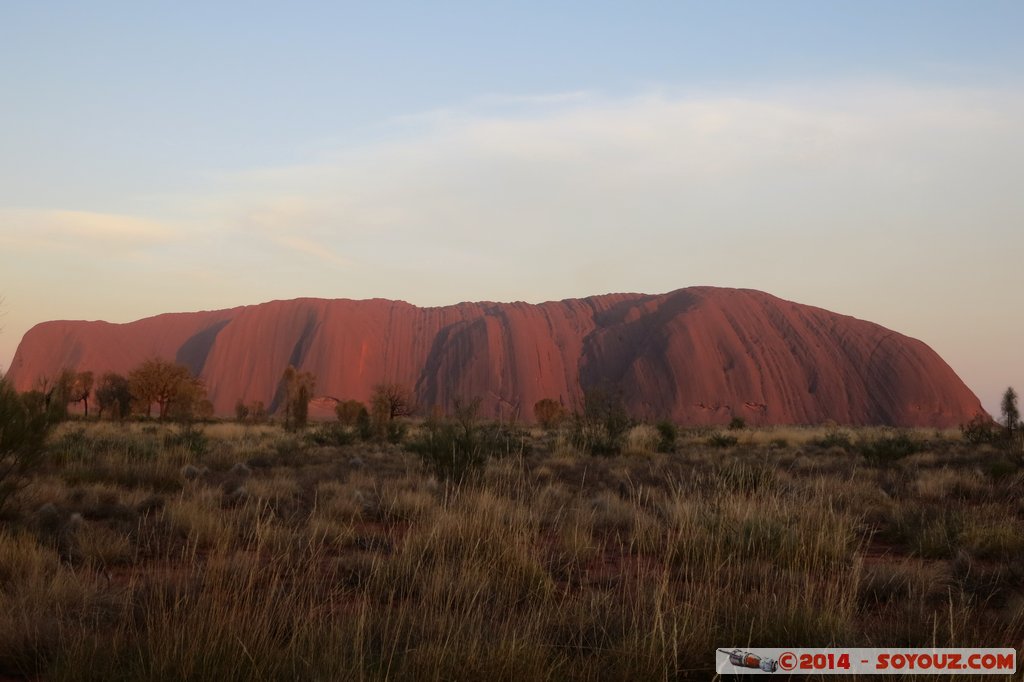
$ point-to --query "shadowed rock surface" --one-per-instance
(699, 355)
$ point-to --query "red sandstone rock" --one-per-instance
(699, 355)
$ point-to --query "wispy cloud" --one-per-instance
(677, 168)
(311, 248)
(65, 228)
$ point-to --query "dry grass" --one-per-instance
(642, 439)
(354, 562)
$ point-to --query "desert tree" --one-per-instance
(114, 396)
(44, 387)
(81, 389)
(549, 413)
(167, 384)
(34, 401)
(22, 431)
(1011, 413)
(466, 413)
(257, 412)
(391, 400)
(388, 402)
(253, 412)
(63, 392)
(298, 390)
(54, 391)
(350, 412)
(603, 424)
(23, 428)
(191, 402)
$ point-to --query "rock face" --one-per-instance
(699, 355)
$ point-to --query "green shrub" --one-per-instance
(602, 427)
(349, 412)
(888, 449)
(928, 531)
(833, 438)
(189, 437)
(1000, 469)
(722, 440)
(458, 447)
(981, 429)
(668, 433)
(80, 445)
(502, 440)
(22, 431)
(549, 413)
(364, 426)
(449, 450)
(395, 431)
(331, 435)
(737, 423)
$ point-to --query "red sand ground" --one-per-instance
(699, 355)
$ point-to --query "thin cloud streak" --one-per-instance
(687, 164)
(311, 248)
(56, 228)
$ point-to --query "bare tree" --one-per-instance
(391, 400)
(81, 389)
(388, 402)
(55, 393)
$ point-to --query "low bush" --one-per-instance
(331, 435)
(981, 429)
(888, 449)
(722, 440)
(22, 432)
(833, 438)
(190, 437)
(549, 413)
(669, 434)
(602, 428)
(349, 412)
(449, 450)
(1000, 469)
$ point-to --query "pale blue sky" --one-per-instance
(865, 157)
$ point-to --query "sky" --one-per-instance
(862, 157)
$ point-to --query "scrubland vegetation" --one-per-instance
(450, 548)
